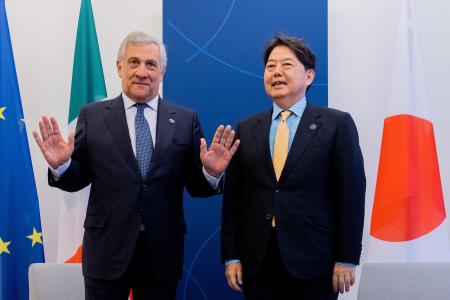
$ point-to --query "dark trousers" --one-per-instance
(139, 276)
(274, 282)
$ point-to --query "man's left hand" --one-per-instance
(343, 278)
(216, 158)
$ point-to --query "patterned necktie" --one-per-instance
(280, 147)
(144, 142)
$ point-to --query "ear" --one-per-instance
(119, 68)
(310, 76)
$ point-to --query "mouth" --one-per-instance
(278, 83)
(141, 83)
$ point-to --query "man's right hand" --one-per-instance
(233, 273)
(55, 149)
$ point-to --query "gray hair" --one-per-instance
(137, 37)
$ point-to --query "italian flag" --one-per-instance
(88, 85)
(408, 222)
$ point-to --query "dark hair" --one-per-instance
(301, 50)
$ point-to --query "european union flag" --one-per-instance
(20, 225)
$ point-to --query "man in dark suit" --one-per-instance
(293, 207)
(138, 152)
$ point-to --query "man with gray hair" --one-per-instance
(138, 152)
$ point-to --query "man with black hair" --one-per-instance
(293, 209)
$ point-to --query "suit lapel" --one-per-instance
(307, 128)
(165, 127)
(261, 129)
(117, 124)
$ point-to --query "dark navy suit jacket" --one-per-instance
(121, 200)
(318, 203)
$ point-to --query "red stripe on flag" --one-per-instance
(77, 257)
(408, 197)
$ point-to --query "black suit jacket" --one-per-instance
(318, 203)
(121, 200)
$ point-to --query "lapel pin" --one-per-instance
(313, 126)
(171, 121)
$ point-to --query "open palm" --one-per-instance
(55, 149)
(217, 157)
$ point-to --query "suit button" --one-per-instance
(269, 217)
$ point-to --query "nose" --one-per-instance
(277, 71)
(141, 72)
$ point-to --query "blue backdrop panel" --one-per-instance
(216, 67)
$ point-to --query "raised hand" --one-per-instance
(216, 158)
(55, 149)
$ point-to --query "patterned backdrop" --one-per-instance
(215, 67)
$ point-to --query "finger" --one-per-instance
(236, 286)
(347, 281)
(341, 283)
(353, 278)
(48, 126)
(228, 280)
(239, 276)
(335, 283)
(230, 139)
(203, 147)
(39, 141)
(225, 135)
(218, 134)
(55, 126)
(71, 139)
(43, 131)
(235, 146)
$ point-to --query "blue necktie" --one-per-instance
(144, 142)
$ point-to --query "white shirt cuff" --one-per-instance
(232, 261)
(213, 181)
(58, 172)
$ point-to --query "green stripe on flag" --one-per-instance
(88, 83)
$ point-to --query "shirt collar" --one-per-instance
(297, 108)
(128, 102)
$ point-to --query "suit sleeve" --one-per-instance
(350, 191)
(231, 208)
(77, 176)
(196, 184)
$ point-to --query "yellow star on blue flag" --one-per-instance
(2, 109)
(19, 204)
(4, 246)
(36, 237)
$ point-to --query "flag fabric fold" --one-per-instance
(88, 85)
(408, 222)
(21, 241)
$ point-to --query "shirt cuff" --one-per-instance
(58, 172)
(213, 181)
(346, 264)
(232, 261)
